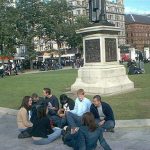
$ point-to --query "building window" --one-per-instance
(117, 17)
(78, 12)
(84, 12)
(83, 3)
(78, 2)
(132, 41)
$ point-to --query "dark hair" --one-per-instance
(25, 102)
(89, 121)
(98, 97)
(47, 90)
(34, 95)
(63, 99)
(41, 111)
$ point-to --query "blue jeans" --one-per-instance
(51, 137)
(107, 124)
(22, 129)
(58, 121)
(73, 120)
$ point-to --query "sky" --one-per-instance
(137, 6)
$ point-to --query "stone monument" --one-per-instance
(102, 73)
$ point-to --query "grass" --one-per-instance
(13, 88)
(132, 105)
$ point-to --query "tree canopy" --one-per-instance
(52, 20)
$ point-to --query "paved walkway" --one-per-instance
(122, 139)
(38, 71)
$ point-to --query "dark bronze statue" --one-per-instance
(97, 12)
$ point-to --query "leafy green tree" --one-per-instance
(56, 21)
(74, 40)
(8, 34)
(29, 25)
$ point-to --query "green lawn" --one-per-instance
(126, 106)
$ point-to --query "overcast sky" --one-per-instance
(137, 6)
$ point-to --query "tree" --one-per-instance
(56, 21)
(29, 25)
(74, 40)
(8, 34)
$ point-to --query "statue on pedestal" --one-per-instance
(97, 12)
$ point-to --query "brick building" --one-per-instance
(137, 31)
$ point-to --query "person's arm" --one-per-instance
(94, 111)
(71, 104)
(56, 104)
(74, 111)
(108, 113)
(25, 120)
(81, 141)
(102, 142)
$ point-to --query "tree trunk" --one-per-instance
(31, 64)
(59, 45)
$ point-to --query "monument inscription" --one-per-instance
(110, 49)
(92, 50)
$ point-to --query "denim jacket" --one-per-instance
(86, 140)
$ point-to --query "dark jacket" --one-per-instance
(86, 140)
(106, 110)
(71, 104)
(42, 128)
(54, 102)
(34, 109)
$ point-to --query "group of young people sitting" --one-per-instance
(81, 122)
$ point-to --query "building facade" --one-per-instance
(78, 7)
(114, 13)
(137, 31)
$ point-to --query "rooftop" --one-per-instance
(134, 18)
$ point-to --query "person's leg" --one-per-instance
(55, 134)
(56, 120)
(73, 120)
(42, 141)
(51, 137)
(63, 122)
(110, 124)
(25, 133)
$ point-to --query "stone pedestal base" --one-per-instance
(102, 79)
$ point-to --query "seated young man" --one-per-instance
(82, 105)
(51, 100)
(103, 114)
(53, 105)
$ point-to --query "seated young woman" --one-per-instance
(42, 132)
(23, 121)
(86, 136)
